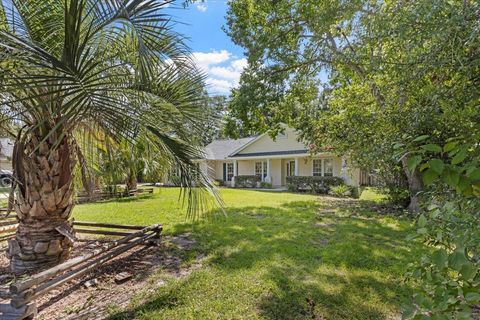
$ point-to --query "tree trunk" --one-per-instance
(415, 185)
(43, 204)
(131, 181)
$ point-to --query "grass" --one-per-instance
(275, 256)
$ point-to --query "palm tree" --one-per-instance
(73, 67)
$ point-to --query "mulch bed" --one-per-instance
(95, 294)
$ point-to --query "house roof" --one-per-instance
(221, 149)
(270, 153)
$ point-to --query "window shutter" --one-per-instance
(224, 172)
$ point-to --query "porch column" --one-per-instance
(234, 172)
(344, 171)
(269, 171)
(296, 166)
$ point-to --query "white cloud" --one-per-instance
(226, 73)
(202, 7)
(205, 59)
(217, 86)
(239, 64)
(222, 69)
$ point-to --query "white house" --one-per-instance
(272, 160)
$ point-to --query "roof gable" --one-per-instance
(284, 144)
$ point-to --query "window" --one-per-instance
(258, 169)
(261, 169)
(317, 167)
(328, 167)
(290, 168)
(229, 171)
(322, 167)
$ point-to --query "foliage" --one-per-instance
(84, 67)
(265, 185)
(213, 123)
(357, 75)
(313, 184)
(341, 190)
(271, 252)
(247, 181)
(344, 190)
(450, 277)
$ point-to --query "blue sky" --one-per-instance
(215, 53)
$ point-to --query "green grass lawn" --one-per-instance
(271, 254)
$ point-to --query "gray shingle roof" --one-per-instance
(221, 149)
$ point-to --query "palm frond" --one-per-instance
(115, 65)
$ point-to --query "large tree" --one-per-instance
(358, 75)
(79, 67)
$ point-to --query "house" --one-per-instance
(272, 160)
(6, 151)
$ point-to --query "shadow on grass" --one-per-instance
(310, 265)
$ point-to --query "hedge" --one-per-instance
(247, 181)
(312, 183)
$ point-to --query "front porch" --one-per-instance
(275, 170)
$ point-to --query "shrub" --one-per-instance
(344, 190)
(313, 184)
(247, 181)
(218, 182)
(355, 192)
(340, 191)
(265, 185)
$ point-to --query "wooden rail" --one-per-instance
(8, 228)
(22, 294)
(106, 195)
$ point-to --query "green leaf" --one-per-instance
(421, 138)
(413, 162)
(423, 167)
(457, 259)
(472, 297)
(437, 165)
(464, 185)
(449, 146)
(429, 176)
(422, 221)
(432, 148)
(422, 231)
(440, 258)
(460, 156)
(451, 177)
(474, 174)
(468, 271)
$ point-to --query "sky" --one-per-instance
(215, 54)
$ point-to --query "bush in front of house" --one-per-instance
(313, 184)
(247, 181)
(265, 185)
(344, 190)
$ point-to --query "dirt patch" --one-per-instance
(97, 293)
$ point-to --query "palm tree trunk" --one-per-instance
(131, 181)
(43, 204)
